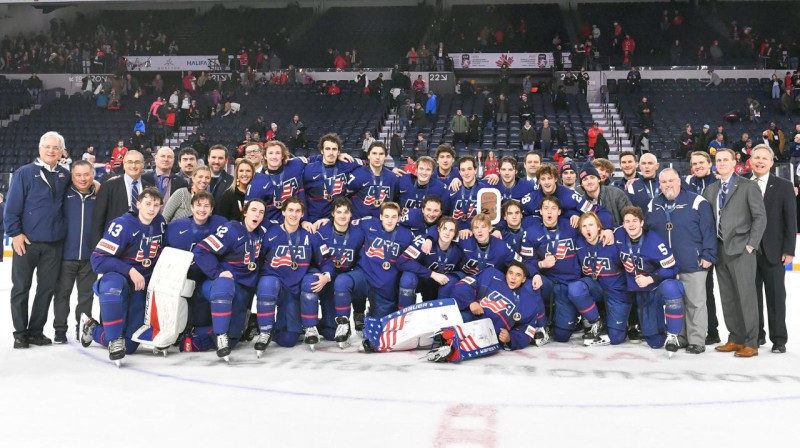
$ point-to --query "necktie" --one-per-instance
(134, 195)
(723, 195)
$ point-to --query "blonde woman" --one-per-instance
(231, 201)
(179, 204)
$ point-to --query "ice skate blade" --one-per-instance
(259, 353)
(118, 362)
(343, 345)
(311, 347)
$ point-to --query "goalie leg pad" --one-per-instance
(220, 293)
(113, 294)
(412, 327)
(472, 340)
(407, 294)
(309, 302)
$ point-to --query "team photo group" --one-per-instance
(294, 250)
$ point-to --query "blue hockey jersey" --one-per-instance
(184, 234)
(538, 241)
(275, 187)
(603, 264)
(289, 256)
(649, 256)
(232, 248)
(411, 194)
(369, 191)
(474, 259)
(572, 204)
(380, 254)
(519, 311)
(127, 243)
(343, 249)
(517, 191)
(414, 220)
(462, 204)
(439, 260)
(323, 184)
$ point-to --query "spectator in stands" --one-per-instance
(440, 55)
(527, 136)
(675, 53)
(34, 85)
(714, 80)
(334, 89)
(420, 118)
(296, 131)
(716, 144)
(139, 142)
(740, 145)
(502, 109)
(645, 111)
(459, 125)
(361, 81)
(187, 161)
(101, 99)
(525, 108)
(716, 53)
(474, 129)
(545, 137)
(703, 139)
(424, 58)
(88, 153)
(634, 79)
(174, 99)
(421, 145)
(404, 112)
(787, 103)
(255, 154)
(701, 57)
(776, 140)
(368, 141)
(643, 142)
(561, 157)
(130, 86)
(754, 110)
(188, 82)
(119, 151)
(583, 81)
(490, 166)
(272, 133)
(560, 100)
(419, 88)
(431, 107)
(489, 112)
(601, 148)
(376, 87)
(201, 146)
(592, 134)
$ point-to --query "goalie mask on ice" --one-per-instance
(423, 325)
(166, 311)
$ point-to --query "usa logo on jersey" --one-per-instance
(247, 257)
(283, 256)
(288, 189)
(343, 257)
(471, 267)
(376, 194)
(151, 245)
(380, 247)
(498, 303)
(631, 263)
(336, 184)
(560, 248)
(599, 265)
(458, 211)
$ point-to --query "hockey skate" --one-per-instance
(160, 351)
(87, 326)
(311, 337)
(358, 321)
(596, 334)
(251, 332)
(541, 337)
(672, 345)
(223, 347)
(366, 347)
(262, 342)
(342, 332)
(116, 350)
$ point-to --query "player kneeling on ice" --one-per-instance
(509, 301)
(443, 259)
(603, 274)
(650, 272)
(287, 283)
(230, 259)
(125, 256)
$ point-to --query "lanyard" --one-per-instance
(291, 243)
(547, 234)
(441, 267)
(638, 248)
(343, 246)
(466, 213)
(277, 196)
(668, 209)
(652, 191)
(326, 179)
(483, 255)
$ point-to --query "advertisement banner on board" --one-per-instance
(495, 60)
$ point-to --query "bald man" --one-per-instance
(162, 176)
(644, 189)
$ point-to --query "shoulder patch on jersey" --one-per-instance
(530, 331)
(214, 242)
(468, 280)
(668, 262)
(412, 252)
(517, 257)
(107, 246)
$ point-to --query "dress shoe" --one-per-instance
(39, 339)
(712, 338)
(746, 352)
(762, 340)
(729, 347)
(21, 342)
(778, 348)
(695, 349)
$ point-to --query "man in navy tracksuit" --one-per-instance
(685, 221)
(75, 266)
(34, 219)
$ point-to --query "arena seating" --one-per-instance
(13, 97)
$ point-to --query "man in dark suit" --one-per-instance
(741, 220)
(777, 246)
(162, 176)
(114, 197)
(220, 180)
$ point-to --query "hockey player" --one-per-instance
(377, 272)
(325, 180)
(372, 186)
(413, 189)
(510, 229)
(125, 256)
(463, 202)
(549, 248)
(701, 176)
(650, 273)
(571, 203)
(645, 188)
(515, 308)
(445, 158)
(184, 234)
(282, 180)
(344, 241)
(444, 259)
(285, 281)
(509, 186)
(602, 273)
(481, 250)
(230, 259)
(419, 220)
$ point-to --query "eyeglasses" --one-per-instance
(253, 151)
(134, 162)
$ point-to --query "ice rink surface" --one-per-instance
(558, 395)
